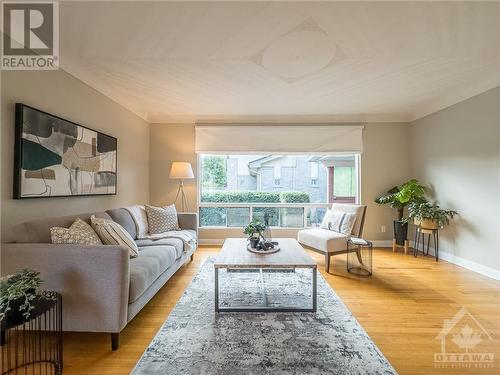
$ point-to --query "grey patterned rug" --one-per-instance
(196, 340)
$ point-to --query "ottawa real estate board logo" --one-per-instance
(464, 343)
(30, 35)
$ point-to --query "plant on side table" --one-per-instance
(254, 232)
(429, 215)
(400, 197)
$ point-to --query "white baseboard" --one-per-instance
(465, 263)
(381, 243)
(443, 255)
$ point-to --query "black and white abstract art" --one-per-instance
(56, 157)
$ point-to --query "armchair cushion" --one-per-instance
(324, 240)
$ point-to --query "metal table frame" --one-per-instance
(265, 307)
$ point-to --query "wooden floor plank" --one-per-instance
(402, 307)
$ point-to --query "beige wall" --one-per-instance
(58, 93)
(457, 152)
(385, 163)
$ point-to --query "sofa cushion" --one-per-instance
(39, 230)
(124, 218)
(323, 239)
(148, 266)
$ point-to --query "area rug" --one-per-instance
(196, 340)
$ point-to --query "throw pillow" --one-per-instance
(335, 222)
(79, 233)
(348, 223)
(342, 222)
(326, 219)
(162, 219)
(112, 233)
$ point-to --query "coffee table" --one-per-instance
(234, 255)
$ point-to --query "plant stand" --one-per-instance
(33, 345)
(420, 235)
(395, 246)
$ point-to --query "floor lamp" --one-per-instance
(181, 171)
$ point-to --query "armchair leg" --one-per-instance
(115, 341)
(327, 262)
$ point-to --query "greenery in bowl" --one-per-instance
(21, 288)
(419, 211)
(254, 229)
(403, 195)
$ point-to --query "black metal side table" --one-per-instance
(420, 239)
(33, 345)
(359, 257)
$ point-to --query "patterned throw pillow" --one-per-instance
(342, 222)
(112, 233)
(326, 219)
(79, 233)
(161, 220)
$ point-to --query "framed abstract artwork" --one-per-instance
(55, 157)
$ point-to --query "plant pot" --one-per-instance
(254, 241)
(427, 224)
(400, 232)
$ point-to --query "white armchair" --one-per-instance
(328, 242)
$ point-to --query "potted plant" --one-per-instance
(399, 197)
(254, 231)
(17, 293)
(429, 215)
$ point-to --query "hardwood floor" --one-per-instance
(402, 307)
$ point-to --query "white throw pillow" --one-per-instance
(348, 223)
(112, 233)
(326, 219)
(162, 219)
(342, 222)
(79, 233)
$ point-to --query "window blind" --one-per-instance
(276, 139)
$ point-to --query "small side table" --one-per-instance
(420, 238)
(359, 257)
(33, 345)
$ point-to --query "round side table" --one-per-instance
(359, 257)
(33, 345)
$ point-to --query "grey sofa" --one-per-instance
(102, 288)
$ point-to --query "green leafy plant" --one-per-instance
(21, 287)
(430, 211)
(403, 195)
(254, 229)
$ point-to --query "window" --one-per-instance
(292, 191)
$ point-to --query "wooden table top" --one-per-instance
(234, 254)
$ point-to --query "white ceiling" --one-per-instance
(282, 61)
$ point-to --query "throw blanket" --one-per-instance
(188, 239)
(138, 213)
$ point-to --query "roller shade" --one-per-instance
(277, 139)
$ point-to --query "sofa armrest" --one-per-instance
(188, 220)
(93, 280)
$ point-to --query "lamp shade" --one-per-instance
(181, 170)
